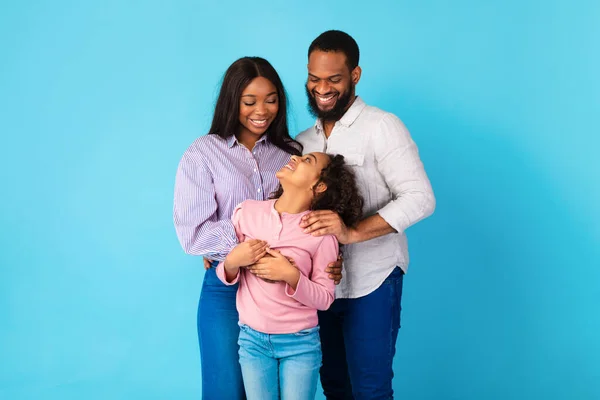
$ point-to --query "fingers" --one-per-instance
(257, 244)
(259, 256)
(274, 253)
(323, 232)
(206, 263)
(261, 272)
(332, 224)
(315, 216)
(258, 249)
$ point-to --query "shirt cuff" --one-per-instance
(290, 292)
(396, 219)
(223, 278)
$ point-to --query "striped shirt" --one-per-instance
(214, 176)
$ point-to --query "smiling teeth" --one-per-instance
(259, 122)
(325, 99)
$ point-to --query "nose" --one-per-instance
(294, 158)
(260, 109)
(322, 87)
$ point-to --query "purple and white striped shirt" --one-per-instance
(214, 176)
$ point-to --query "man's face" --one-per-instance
(331, 85)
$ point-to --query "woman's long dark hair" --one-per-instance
(226, 120)
(341, 196)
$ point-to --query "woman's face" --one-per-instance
(303, 172)
(259, 105)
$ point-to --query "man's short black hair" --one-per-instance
(337, 41)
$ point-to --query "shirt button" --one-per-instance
(254, 169)
(258, 190)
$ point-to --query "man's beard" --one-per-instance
(338, 110)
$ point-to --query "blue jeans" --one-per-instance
(281, 366)
(359, 342)
(218, 333)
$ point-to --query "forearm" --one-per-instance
(229, 276)
(370, 228)
(292, 278)
(231, 273)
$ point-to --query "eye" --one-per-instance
(307, 160)
(272, 101)
(314, 80)
(248, 104)
(337, 80)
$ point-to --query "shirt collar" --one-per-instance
(232, 140)
(349, 116)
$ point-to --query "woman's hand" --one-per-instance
(276, 268)
(207, 263)
(245, 254)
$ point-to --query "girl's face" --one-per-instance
(259, 105)
(303, 172)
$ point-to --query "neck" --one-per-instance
(292, 202)
(247, 139)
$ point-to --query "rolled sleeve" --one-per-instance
(399, 163)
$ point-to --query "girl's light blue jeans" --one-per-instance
(280, 366)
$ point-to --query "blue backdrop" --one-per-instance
(98, 101)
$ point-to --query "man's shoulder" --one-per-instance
(306, 134)
(376, 114)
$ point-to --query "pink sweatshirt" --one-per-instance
(275, 307)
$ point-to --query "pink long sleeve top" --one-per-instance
(277, 308)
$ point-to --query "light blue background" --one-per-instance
(98, 101)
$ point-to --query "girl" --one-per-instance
(277, 298)
(247, 144)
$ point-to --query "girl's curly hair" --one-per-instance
(342, 195)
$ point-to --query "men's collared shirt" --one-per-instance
(393, 183)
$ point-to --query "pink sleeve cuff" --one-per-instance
(223, 278)
(290, 292)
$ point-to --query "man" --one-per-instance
(359, 331)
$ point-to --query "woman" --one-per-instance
(247, 143)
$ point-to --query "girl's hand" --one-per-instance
(276, 268)
(246, 253)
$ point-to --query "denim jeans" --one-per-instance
(359, 342)
(218, 333)
(280, 366)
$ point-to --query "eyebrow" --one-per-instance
(253, 95)
(329, 77)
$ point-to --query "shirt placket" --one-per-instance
(257, 181)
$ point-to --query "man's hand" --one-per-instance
(334, 270)
(276, 268)
(246, 253)
(327, 222)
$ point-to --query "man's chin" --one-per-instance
(328, 109)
